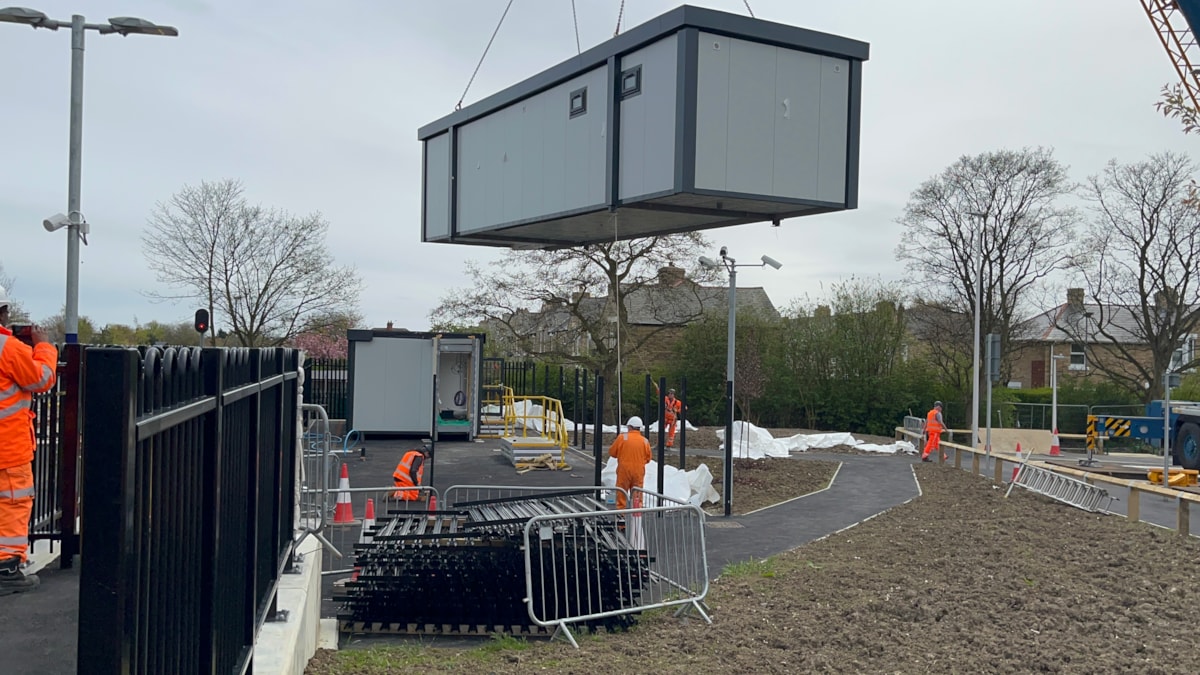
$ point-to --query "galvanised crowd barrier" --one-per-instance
(585, 566)
(188, 506)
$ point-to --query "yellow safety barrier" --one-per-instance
(1175, 478)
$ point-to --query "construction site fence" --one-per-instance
(572, 574)
(325, 384)
(54, 520)
(317, 471)
(1001, 467)
(338, 554)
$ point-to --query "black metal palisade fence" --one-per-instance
(190, 464)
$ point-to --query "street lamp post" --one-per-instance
(1054, 359)
(975, 343)
(731, 265)
(76, 226)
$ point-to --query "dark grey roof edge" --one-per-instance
(710, 20)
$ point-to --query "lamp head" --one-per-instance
(29, 17)
(129, 25)
(724, 251)
(768, 260)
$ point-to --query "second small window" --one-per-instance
(631, 82)
(578, 102)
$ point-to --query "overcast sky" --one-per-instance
(315, 107)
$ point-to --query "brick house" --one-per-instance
(1081, 335)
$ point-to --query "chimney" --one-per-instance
(823, 312)
(670, 275)
(1075, 297)
(389, 326)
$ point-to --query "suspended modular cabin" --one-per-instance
(392, 380)
(716, 119)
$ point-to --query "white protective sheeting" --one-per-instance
(754, 442)
(693, 486)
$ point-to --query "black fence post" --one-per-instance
(68, 486)
(212, 369)
(108, 583)
(646, 409)
(583, 397)
(662, 435)
(597, 425)
(683, 424)
(729, 447)
(575, 406)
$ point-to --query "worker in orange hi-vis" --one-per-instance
(672, 407)
(409, 473)
(934, 425)
(632, 451)
(26, 368)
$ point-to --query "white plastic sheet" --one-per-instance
(753, 442)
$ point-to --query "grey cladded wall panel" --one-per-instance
(835, 120)
(647, 153)
(797, 136)
(532, 159)
(751, 131)
(770, 120)
(437, 186)
(393, 385)
(712, 111)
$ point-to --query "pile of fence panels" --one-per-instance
(463, 570)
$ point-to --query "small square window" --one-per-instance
(578, 102)
(631, 82)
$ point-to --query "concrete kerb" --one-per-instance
(814, 492)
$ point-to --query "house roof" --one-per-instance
(670, 305)
(1068, 322)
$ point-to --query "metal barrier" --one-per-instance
(586, 566)
(458, 494)
(338, 556)
(54, 517)
(315, 468)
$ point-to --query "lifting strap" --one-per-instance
(458, 106)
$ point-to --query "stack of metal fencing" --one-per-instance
(464, 571)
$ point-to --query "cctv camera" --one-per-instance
(55, 222)
(724, 251)
(768, 260)
(707, 262)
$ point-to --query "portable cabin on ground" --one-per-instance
(392, 380)
(696, 119)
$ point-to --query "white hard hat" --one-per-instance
(3, 297)
(634, 422)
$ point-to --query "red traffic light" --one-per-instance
(201, 323)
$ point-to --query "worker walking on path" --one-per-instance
(632, 451)
(672, 407)
(24, 370)
(934, 425)
(409, 473)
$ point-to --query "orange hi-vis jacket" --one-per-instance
(933, 422)
(409, 473)
(24, 371)
(672, 407)
(632, 451)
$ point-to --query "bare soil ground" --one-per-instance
(960, 580)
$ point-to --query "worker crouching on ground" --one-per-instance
(934, 425)
(24, 370)
(632, 451)
(409, 473)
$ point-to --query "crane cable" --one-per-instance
(575, 19)
(747, 2)
(458, 106)
(620, 13)
(617, 316)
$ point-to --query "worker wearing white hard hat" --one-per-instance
(632, 451)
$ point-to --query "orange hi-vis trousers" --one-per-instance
(16, 505)
(931, 445)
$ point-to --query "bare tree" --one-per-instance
(15, 311)
(1139, 259)
(261, 272)
(573, 305)
(1011, 200)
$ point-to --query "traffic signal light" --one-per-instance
(201, 321)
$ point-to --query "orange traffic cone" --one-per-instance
(368, 523)
(343, 513)
(1055, 451)
(1018, 465)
